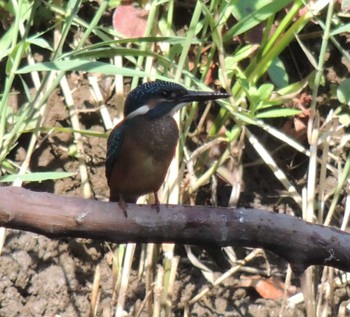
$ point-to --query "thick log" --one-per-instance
(300, 243)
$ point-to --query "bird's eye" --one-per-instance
(168, 94)
(165, 94)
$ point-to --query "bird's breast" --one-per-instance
(160, 136)
(147, 150)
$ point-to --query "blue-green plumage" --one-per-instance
(114, 143)
(154, 90)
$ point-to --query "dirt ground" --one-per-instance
(44, 277)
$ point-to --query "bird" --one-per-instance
(141, 147)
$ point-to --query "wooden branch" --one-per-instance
(300, 243)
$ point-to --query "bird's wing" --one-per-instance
(114, 144)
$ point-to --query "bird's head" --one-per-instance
(160, 98)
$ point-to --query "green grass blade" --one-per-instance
(82, 65)
(256, 17)
(36, 176)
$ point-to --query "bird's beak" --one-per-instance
(202, 96)
(170, 107)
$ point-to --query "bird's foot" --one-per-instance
(156, 202)
(156, 205)
(124, 206)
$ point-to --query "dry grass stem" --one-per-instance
(233, 270)
(95, 292)
(108, 124)
(125, 275)
(87, 192)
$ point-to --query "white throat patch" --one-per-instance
(176, 108)
(139, 111)
(145, 108)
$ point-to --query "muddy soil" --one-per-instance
(45, 277)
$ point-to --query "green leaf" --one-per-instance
(241, 9)
(265, 91)
(279, 112)
(97, 134)
(307, 52)
(82, 65)
(278, 74)
(245, 117)
(343, 92)
(255, 16)
(342, 29)
(18, 49)
(231, 61)
(107, 52)
(6, 42)
(36, 176)
(115, 44)
(295, 88)
(39, 41)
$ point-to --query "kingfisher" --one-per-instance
(140, 148)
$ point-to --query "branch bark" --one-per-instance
(300, 243)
